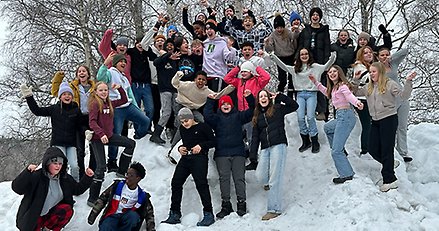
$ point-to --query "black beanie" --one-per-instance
(316, 10)
(211, 25)
(278, 22)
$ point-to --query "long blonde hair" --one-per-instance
(382, 79)
(95, 99)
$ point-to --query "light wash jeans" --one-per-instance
(72, 158)
(270, 171)
(142, 92)
(338, 131)
(307, 101)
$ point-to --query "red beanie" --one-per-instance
(225, 99)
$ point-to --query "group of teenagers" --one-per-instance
(212, 94)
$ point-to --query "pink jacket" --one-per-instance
(341, 97)
(254, 84)
(105, 50)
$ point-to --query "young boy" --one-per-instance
(197, 139)
(126, 204)
(230, 148)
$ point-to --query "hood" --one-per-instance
(54, 152)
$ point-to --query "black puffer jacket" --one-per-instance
(322, 42)
(345, 54)
(64, 119)
(35, 185)
(270, 131)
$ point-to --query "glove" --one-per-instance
(25, 91)
(88, 134)
(383, 29)
(180, 74)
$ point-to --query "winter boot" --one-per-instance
(156, 135)
(112, 166)
(252, 166)
(173, 218)
(241, 208)
(208, 219)
(95, 189)
(124, 162)
(315, 144)
(305, 143)
(226, 209)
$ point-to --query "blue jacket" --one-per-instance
(228, 127)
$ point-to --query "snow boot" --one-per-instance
(95, 189)
(173, 218)
(208, 219)
(156, 135)
(226, 209)
(124, 162)
(315, 144)
(241, 208)
(252, 166)
(305, 143)
(341, 180)
(407, 158)
(112, 166)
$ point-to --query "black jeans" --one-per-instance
(365, 121)
(382, 143)
(283, 75)
(195, 165)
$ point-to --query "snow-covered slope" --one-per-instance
(311, 200)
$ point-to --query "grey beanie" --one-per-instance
(64, 87)
(185, 114)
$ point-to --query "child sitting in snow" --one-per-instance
(230, 149)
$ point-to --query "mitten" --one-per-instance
(88, 134)
(25, 91)
(383, 29)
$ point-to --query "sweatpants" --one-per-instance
(231, 166)
(195, 165)
(382, 143)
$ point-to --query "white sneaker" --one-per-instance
(387, 187)
(88, 134)
(396, 163)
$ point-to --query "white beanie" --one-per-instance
(248, 66)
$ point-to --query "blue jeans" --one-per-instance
(270, 172)
(338, 131)
(72, 158)
(307, 101)
(131, 113)
(142, 92)
(120, 221)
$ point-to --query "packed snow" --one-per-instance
(311, 201)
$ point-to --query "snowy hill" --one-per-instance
(311, 200)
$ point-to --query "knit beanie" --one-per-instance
(160, 36)
(210, 24)
(278, 21)
(316, 10)
(122, 41)
(56, 159)
(172, 27)
(364, 35)
(294, 15)
(117, 58)
(248, 66)
(225, 99)
(185, 114)
(64, 87)
(199, 14)
(230, 7)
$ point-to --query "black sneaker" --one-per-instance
(241, 208)
(226, 209)
(173, 218)
(341, 180)
(112, 166)
(407, 158)
(363, 152)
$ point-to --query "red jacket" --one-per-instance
(254, 84)
(102, 122)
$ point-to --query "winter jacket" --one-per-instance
(109, 200)
(78, 92)
(270, 131)
(322, 43)
(384, 105)
(198, 134)
(64, 119)
(228, 127)
(281, 45)
(235, 22)
(189, 27)
(113, 75)
(166, 69)
(254, 84)
(216, 55)
(34, 187)
(255, 36)
(102, 122)
(345, 54)
(140, 70)
(105, 50)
